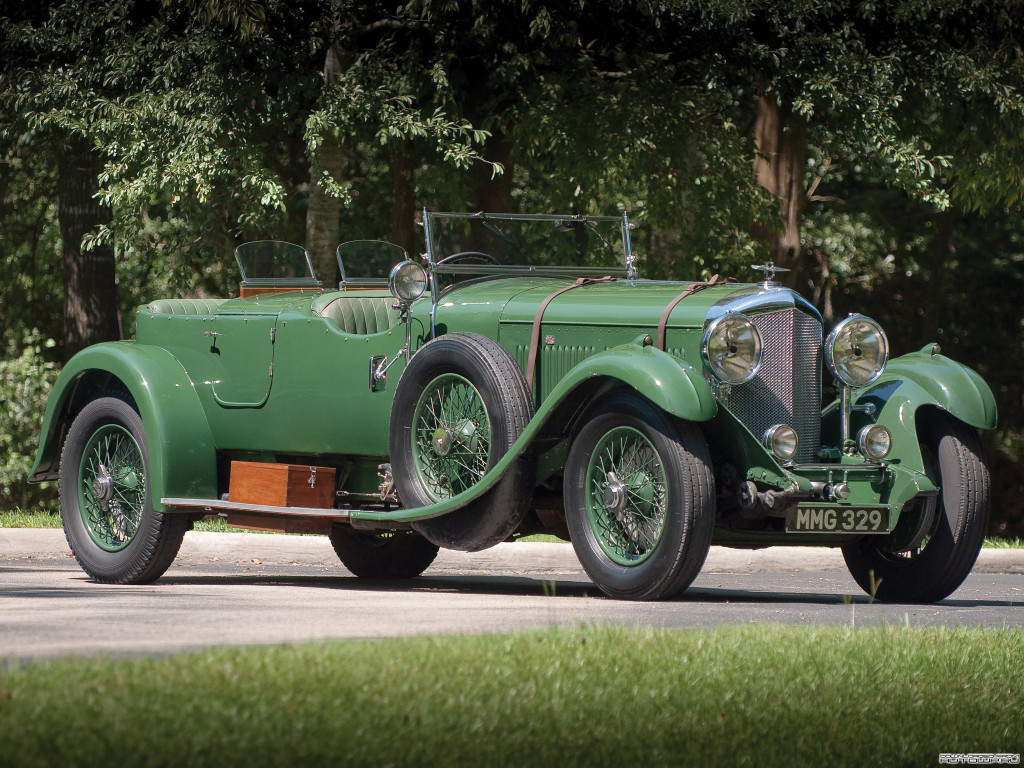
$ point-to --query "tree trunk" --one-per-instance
(403, 207)
(90, 290)
(494, 193)
(780, 139)
(324, 210)
(323, 214)
(933, 320)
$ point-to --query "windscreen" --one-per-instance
(573, 244)
(368, 261)
(272, 262)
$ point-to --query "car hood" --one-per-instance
(619, 303)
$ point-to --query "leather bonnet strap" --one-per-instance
(663, 322)
(531, 362)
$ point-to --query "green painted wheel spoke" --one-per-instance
(626, 495)
(451, 436)
(112, 487)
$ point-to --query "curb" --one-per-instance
(535, 557)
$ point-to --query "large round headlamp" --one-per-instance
(732, 348)
(408, 281)
(856, 351)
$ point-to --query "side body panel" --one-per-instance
(572, 333)
(303, 390)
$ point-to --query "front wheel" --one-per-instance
(106, 508)
(639, 500)
(387, 555)
(936, 540)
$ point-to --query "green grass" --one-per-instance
(756, 695)
(16, 518)
(1015, 543)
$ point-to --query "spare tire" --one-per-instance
(459, 406)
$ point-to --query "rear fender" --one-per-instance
(182, 454)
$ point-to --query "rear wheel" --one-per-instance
(106, 508)
(936, 540)
(639, 500)
(386, 555)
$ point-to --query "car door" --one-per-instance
(242, 357)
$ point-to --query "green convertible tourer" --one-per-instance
(520, 377)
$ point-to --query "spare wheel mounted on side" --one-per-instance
(459, 406)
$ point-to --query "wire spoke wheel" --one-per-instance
(937, 538)
(109, 521)
(112, 487)
(627, 495)
(639, 498)
(918, 523)
(382, 554)
(451, 436)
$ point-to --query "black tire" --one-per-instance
(470, 392)
(645, 535)
(388, 555)
(105, 499)
(904, 568)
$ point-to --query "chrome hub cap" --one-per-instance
(614, 496)
(441, 441)
(103, 486)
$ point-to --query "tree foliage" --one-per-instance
(875, 146)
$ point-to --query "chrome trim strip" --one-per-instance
(755, 299)
(215, 505)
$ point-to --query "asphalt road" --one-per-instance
(237, 588)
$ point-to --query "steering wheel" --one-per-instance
(464, 255)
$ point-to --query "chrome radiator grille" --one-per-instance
(787, 388)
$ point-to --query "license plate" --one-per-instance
(835, 519)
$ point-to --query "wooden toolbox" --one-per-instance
(281, 485)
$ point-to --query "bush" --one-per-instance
(26, 378)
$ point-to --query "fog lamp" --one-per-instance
(782, 440)
(874, 442)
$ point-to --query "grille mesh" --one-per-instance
(787, 388)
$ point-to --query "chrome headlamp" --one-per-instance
(782, 441)
(874, 442)
(408, 281)
(732, 348)
(856, 351)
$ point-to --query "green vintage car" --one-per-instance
(519, 377)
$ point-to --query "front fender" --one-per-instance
(948, 384)
(926, 379)
(182, 453)
(669, 383)
(664, 380)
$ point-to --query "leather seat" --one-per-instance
(185, 306)
(362, 315)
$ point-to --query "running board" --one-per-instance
(216, 505)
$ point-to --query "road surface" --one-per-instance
(239, 588)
